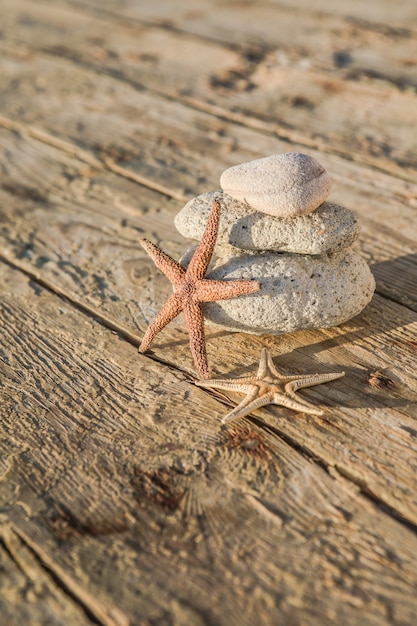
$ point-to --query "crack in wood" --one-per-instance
(96, 611)
(367, 491)
(91, 311)
(85, 156)
(66, 295)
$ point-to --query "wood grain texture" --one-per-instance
(122, 498)
(335, 82)
(155, 515)
(305, 91)
(23, 577)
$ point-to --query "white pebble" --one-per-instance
(283, 185)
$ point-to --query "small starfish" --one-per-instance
(191, 289)
(269, 387)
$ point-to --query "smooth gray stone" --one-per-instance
(329, 228)
(283, 185)
(297, 291)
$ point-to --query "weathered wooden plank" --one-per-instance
(73, 237)
(299, 81)
(28, 594)
(126, 486)
(265, 35)
(382, 12)
(119, 489)
(185, 150)
(220, 18)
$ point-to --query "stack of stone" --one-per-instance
(277, 228)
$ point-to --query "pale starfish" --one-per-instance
(191, 289)
(269, 387)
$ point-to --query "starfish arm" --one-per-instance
(201, 257)
(248, 405)
(173, 270)
(239, 385)
(195, 323)
(309, 381)
(291, 401)
(212, 290)
(263, 364)
(169, 311)
(272, 370)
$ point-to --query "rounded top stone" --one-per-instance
(283, 185)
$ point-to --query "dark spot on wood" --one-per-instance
(76, 273)
(41, 261)
(249, 441)
(342, 58)
(411, 431)
(148, 58)
(239, 78)
(101, 282)
(58, 50)
(254, 55)
(166, 23)
(25, 192)
(301, 102)
(379, 381)
(157, 486)
(67, 526)
(36, 287)
(97, 41)
(115, 153)
(347, 515)
(409, 62)
(331, 86)
(401, 82)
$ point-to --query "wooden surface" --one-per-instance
(122, 498)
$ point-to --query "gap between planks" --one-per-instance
(83, 155)
(101, 615)
(240, 119)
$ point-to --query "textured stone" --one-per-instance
(283, 185)
(328, 228)
(298, 291)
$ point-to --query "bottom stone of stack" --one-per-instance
(297, 291)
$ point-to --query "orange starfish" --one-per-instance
(191, 289)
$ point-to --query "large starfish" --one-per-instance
(191, 289)
(270, 387)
